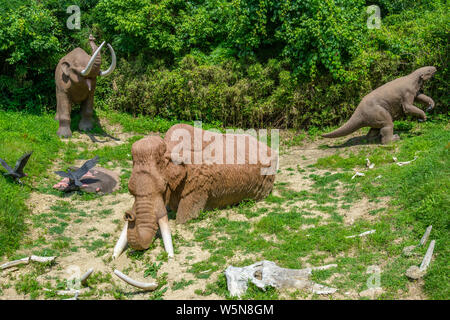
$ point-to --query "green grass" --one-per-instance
(419, 193)
(20, 133)
(292, 228)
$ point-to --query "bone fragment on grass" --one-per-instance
(369, 164)
(146, 286)
(267, 273)
(362, 234)
(403, 163)
(42, 259)
(427, 258)
(426, 235)
(15, 263)
(415, 272)
(85, 276)
(26, 261)
(206, 271)
(378, 177)
(358, 174)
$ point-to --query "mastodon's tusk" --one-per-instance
(113, 62)
(121, 243)
(138, 284)
(165, 233)
(85, 276)
(88, 68)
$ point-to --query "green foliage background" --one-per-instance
(245, 63)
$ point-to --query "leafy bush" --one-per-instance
(240, 62)
(29, 49)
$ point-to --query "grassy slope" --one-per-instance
(419, 198)
(20, 133)
(419, 192)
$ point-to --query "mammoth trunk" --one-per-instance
(97, 60)
(142, 224)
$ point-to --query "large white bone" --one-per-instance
(267, 273)
(141, 285)
(166, 236)
(121, 243)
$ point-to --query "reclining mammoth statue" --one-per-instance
(187, 172)
(75, 79)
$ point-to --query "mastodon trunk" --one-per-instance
(98, 59)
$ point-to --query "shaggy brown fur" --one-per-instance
(163, 177)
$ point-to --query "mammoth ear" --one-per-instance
(65, 67)
(174, 173)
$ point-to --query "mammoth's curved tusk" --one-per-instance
(88, 68)
(85, 276)
(166, 236)
(141, 285)
(121, 243)
(113, 62)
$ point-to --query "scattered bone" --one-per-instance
(358, 174)
(141, 285)
(369, 164)
(362, 234)
(415, 272)
(394, 159)
(15, 263)
(206, 271)
(425, 236)
(427, 259)
(42, 259)
(266, 273)
(406, 162)
(26, 261)
(378, 177)
(85, 276)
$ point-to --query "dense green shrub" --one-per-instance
(29, 48)
(241, 62)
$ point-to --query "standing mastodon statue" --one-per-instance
(76, 78)
(387, 103)
(189, 171)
